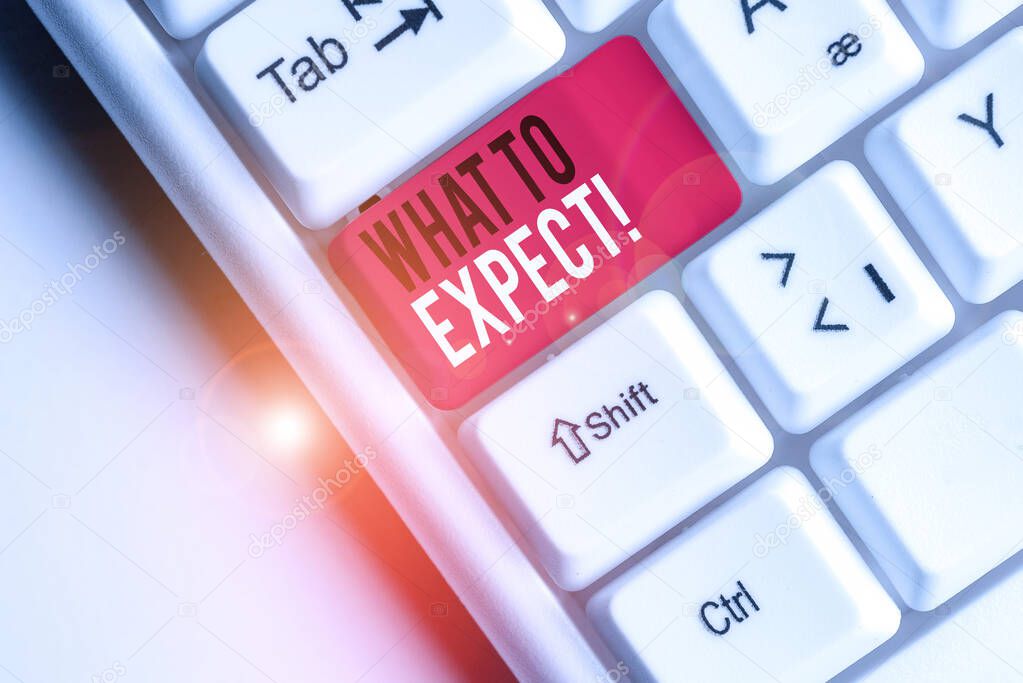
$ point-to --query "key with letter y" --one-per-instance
(952, 160)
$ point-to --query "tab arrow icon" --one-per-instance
(567, 434)
(414, 20)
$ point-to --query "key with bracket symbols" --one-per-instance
(819, 297)
(616, 440)
(338, 98)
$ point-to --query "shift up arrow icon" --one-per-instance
(567, 435)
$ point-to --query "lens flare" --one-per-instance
(287, 428)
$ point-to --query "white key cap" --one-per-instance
(819, 297)
(780, 85)
(594, 15)
(765, 588)
(188, 18)
(615, 441)
(957, 179)
(930, 474)
(978, 641)
(953, 23)
(339, 97)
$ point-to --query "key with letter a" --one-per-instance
(953, 159)
(780, 80)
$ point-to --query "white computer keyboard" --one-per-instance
(717, 449)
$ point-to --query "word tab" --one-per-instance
(337, 98)
(531, 225)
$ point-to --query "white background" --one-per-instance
(149, 428)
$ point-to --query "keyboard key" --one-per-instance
(188, 18)
(534, 223)
(339, 97)
(765, 588)
(953, 23)
(952, 160)
(976, 641)
(618, 439)
(819, 297)
(780, 81)
(594, 15)
(930, 474)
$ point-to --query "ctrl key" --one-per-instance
(766, 588)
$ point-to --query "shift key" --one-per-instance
(535, 222)
(616, 440)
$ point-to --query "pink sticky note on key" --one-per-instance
(535, 222)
